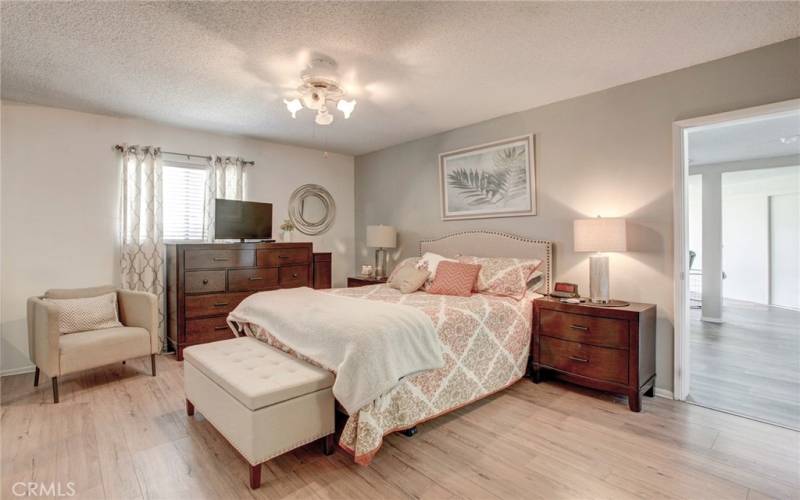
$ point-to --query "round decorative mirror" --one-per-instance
(311, 209)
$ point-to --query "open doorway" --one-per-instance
(738, 222)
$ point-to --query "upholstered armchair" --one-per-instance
(59, 354)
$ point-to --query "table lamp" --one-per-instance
(600, 235)
(381, 238)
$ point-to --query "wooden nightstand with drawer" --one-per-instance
(607, 348)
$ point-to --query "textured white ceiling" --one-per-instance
(758, 138)
(415, 68)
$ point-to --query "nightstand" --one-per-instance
(608, 348)
(355, 281)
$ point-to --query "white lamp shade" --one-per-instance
(600, 235)
(381, 237)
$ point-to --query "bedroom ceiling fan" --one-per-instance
(321, 90)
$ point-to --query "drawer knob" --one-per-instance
(221, 304)
(580, 327)
(255, 278)
(283, 256)
(221, 327)
(579, 360)
(205, 281)
(294, 275)
(221, 259)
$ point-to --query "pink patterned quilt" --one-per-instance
(485, 343)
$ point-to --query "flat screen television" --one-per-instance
(242, 220)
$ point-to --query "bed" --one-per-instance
(485, 343)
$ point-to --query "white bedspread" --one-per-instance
(370, 345)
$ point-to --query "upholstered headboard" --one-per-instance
(493, 244)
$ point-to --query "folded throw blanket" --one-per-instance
(370, 345)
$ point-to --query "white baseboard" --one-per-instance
(663, 393)
(711, 320)
(18, 371)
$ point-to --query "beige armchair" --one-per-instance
(58, 355)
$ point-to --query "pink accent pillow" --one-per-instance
(454, 278)
(503, 276)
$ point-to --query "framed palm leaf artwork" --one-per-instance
(490, 180)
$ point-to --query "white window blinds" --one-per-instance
(184, 201)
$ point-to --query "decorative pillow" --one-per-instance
(90, 313)
(503, 276)
(430, 261)
(408, 279)
(410, 261)
(455, 278)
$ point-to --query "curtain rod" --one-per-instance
(119, 147)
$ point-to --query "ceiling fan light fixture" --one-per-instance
(323, 117)
(790, 139)
(314, 98)
(320, 88)
(293, 106)
(346, 107)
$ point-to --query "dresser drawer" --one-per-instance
(252, 280)
(584, 329)
(284, 256)
(599, 363)
(293, 276)
(217, 259)
(204, 281)
(211, 304)
(207, 330)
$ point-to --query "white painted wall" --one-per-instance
(59, 200)
(745, 248)
(785, 249)
(746, 233)
(695, 203)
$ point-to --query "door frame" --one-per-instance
(680, 171)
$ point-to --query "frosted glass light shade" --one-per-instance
(346, 107)
(600, 235)
(381, 237)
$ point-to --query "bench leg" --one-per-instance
(328, 444)
(189, 408)
(255, 476)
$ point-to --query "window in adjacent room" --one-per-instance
(184, 201)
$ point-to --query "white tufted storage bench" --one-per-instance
(264, 401)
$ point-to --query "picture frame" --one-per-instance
(496, 179)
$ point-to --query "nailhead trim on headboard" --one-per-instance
(548, 245)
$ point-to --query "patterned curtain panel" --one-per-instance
(225, 180)
(142, 262)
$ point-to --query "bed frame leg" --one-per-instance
(329, 444)
(189, 408)
(409, 432)
(255, 476)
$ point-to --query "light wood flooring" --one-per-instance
(750, 364)
(119, 433)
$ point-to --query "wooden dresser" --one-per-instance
(207, 281)
(607, 348)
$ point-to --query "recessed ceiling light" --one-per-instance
(790, 139)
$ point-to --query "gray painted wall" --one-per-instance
(607, 153)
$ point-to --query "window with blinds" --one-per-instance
(184, 201)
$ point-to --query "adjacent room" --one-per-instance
(744, 252)
(401, 250)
